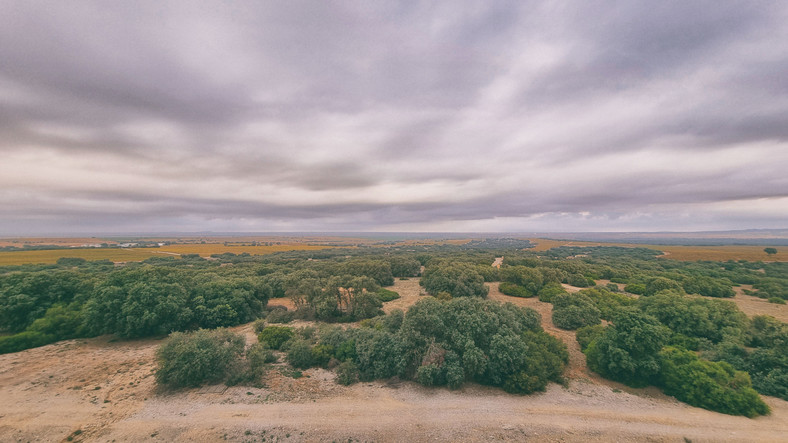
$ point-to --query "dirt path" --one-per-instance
(577, 360)
(409, 292)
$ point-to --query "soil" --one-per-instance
(104, 390)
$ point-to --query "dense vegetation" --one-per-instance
(666, 322)
(435, 343)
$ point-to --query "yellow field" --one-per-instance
(721, 253)
(206, 250)
(543, 244)
(683, 253)
(51, 256)
(139, 254)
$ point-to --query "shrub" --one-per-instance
(24, 340)
(280, 316)
(587, 334)
(578, 280)
(660, 284)
(696, 317)
(275, 336)
(321, 355)
(386, 295)
(459, 280)
(573, 317)
(514, 290)
(299, 354)
(627, 350)
(393, 321)
(571, 311)
(710, 385)
(258, 325)
(608, 303)
(635, 288)
(257, 356)
(549, 291)
(347, 373)
(776, 300)
(193, 359)
(529, 279)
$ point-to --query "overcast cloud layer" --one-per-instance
(327, 116)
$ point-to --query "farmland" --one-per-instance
(680, 252)
(50, 256)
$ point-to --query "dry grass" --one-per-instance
(682, 253)
(720, 253)
(51, 256)
(139, 254)
(543, 244)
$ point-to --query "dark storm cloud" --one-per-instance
(399, 115)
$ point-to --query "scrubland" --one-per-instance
(102, 384)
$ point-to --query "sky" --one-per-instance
(457, 116)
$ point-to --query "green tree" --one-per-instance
(710, 385)
(193, 359)
(627, 350)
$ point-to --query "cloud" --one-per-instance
(515, 116)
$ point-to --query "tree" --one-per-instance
(190, 360)
(770, 251)
(572, 311)
(627, 350)
(710, 385)
(459, 280)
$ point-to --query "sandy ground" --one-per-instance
(103, 390)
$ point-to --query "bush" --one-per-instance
(347, 373)
(280, 316)
(572, 311)
(275, 336)
(24, 340)
(322, 355)
(660, 284)
(776, 300)
(627, 350)
(386, 295)
(459, 280)
(529, 279)
(608, 303)
(258, 355)
(549, 291)
(695, 316)
(514, 290)
(299, 354)
(258, 325)
(710, 385)
(573, 317)
(447, 343)
(193, 359)
(635, 288)
(587, 334)
(579, 280)
(393, 321)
